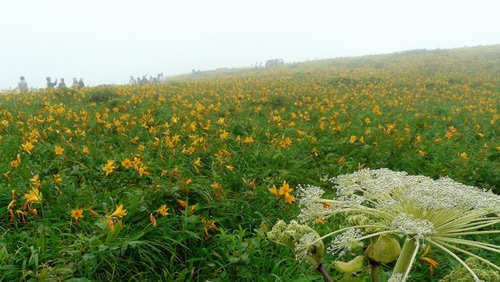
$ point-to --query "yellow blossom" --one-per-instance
(34, 196)
(14, 163)
(27, 147)
(223, 135)
(77, 213)
(248, 140)
(320, 221)
(432, 263)
(289, 198)
(274, 191)
(285, 189)
(163, 210)
(58, 150)
(142, 170)
(108, 168)
(127, 163)
(120, 212)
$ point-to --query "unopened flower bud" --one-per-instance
(350, 266)
(385, 250)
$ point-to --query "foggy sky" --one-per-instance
(106, 41)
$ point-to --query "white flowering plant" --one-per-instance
(383, 204)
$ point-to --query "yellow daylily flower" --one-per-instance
(274, 191)
(120, 212)
(77, 213)
(127, 163)
(58, 150)
(285, 189)
(34, 197)
(28, 147)
(163, 210)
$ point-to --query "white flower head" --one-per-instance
(438, 212)
(344, 242)
(396, 277)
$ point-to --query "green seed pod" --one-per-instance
(350, 266)
(385, 250)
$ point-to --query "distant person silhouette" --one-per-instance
(80, 83)
(132, 81)
(22, 85)
(75, 83)
(50, 84)
(61, 84)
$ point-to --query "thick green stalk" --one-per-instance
(406, 256)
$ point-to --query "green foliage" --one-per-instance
(308, 121)
(482, 270)
(103, 94)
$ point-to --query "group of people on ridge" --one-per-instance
(144, 80)
(62, 84)
(23, 85)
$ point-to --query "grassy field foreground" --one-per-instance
(179, 181)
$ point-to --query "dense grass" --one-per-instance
(218, 143)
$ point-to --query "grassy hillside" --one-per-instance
(172, 182)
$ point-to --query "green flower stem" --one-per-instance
(323, 273)
(406, 257)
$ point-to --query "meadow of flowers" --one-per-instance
(180, 181)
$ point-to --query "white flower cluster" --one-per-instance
(396, 277)
(388, 187)
(439, 212)
(305, 247)
(413, 226)
(344, 242)
(309, 198)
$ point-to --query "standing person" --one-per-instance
(132, 81)
(50, 84)
(61, 84)
(22, 85)
(80, 83)
(75, 83)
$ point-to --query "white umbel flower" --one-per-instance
(440, 212)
